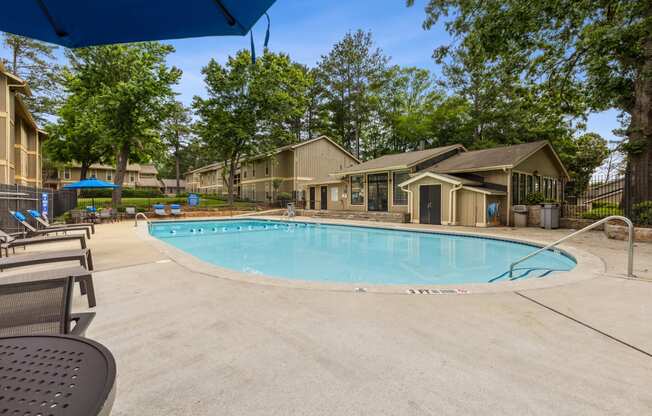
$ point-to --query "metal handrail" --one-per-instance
(630, 243)
(136, 218)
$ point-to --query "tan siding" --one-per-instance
(319, 158)
(445, 197)
(542, 161)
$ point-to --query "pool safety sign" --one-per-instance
(437, 292)
(193, 200)
(45, 204)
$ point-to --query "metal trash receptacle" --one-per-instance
(550, 216)
(520, 215)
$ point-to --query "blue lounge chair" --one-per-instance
(159, 209)
(175, 209)
(42, 219)
(31, 231)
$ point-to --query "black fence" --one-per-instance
(604, 196)
(22, 198)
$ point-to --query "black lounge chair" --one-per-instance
(36, 307)
(83, 256)
(11, 241)
(41, 219)
(31, 231)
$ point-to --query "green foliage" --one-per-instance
(604, 204)
(642, 213)
(34, 62)
(130, 87)
(126, 192)
(250, 109)
(551, 61)
(600, 213)
(581, 156)
(176, 130)
(145, 204)
(534, 198)
(284, 196)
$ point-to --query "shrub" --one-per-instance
(604, 204)
(600, 213)
(642, 213)
(284, 196)
(126, 193)
(534, 198)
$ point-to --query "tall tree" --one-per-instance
(131, 87)
(175, 132)
(78, 135)
(250, 108)
(34, 61)
(582, 155)
(582, 55)
(351, 74)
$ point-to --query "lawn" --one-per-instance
(145, 204)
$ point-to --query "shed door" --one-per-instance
(312, 197)
(324, 197)
(430, 204)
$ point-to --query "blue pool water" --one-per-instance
(334, 253)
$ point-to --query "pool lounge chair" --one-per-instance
(30, 230)
(42, 219)
(175, 209)
(36, 307)
(159, 209)
(11, 241)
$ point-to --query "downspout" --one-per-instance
(452, 204)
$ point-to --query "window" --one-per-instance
(66, 173)
(515, 193)
(109, 175)
(521, 188)
(245, 174)
(400, 197)
(537, 184)
(357, 190)
(253, 170)
(530, 185)
(132, 178)
(334, 196)
(267, 163)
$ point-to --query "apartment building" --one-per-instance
(20, 137)
(137, 176)
(287, 170)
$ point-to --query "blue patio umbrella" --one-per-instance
(77, 24)
(91, 183)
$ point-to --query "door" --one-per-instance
(430, 204)
(377, 185)
(312, 197)
(324, 198)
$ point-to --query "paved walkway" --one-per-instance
(192, 344)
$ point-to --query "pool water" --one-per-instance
(348, 254)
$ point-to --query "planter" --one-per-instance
(619, 232)
(534, 215)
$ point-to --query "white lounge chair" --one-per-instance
(175, 209)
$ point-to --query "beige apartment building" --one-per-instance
(20, 137)
(287, 169)
(137, 176)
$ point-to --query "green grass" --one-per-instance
(145, 204)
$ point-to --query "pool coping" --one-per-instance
(588, 265)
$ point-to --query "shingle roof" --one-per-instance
(399, 160)
(172, 183)
(148, 169)
(149, 182)
(506, 156)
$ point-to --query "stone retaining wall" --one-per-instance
(619, 232)
(577, 223)
(395, 217)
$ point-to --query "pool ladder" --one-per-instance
(630, 243)
(136, 218)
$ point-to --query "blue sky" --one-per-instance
(307, 29)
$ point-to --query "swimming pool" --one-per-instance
(352, 254)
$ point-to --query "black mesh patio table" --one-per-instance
(55, 375)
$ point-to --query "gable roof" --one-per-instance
(398, 160)
(304, 143)
(505, 157)
(172, 183)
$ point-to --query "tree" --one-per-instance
(34, 62)
(350, 76)
(250, 108)
(175, 132)
(579, 56)
(131, 87)
(79, 135)
(582, 156)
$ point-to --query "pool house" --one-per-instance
(445, 186)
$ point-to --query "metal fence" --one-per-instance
(604, 196)
(22, 198)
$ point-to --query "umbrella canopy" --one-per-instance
(90, 183)
(85, 23)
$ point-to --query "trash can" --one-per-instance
(520, 215)
(550, 216)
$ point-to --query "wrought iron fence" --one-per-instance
(22, 198)
(603, 196)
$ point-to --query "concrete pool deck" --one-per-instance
(189, 343)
